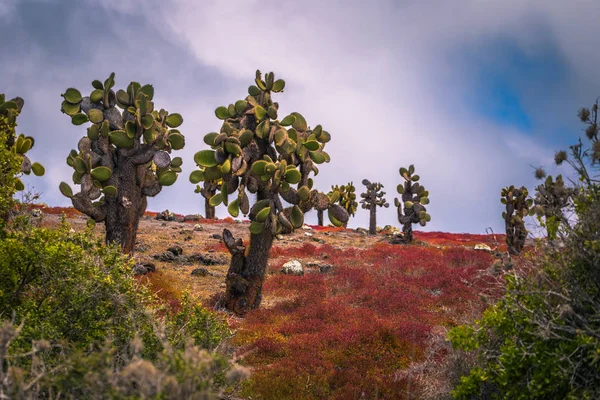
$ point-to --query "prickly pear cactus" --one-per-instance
(125, 156)
(517, 208)
(372, 199)
(551, 198)
(345, 196)
(257, 151)
(411, 206)
(17, 144)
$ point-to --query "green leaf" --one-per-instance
(205, 158)
(263, 214)
(19, 185)
(95, 115)
(300, 123)
(317, 157)
(197, 176)
(174, 120)
(177, 141)
(148, 90)
(258, 167)
(241, 105)
(176, 162)
(234, 208)
(97, 84)
(278, 85)
(253, 91)
(209, 138)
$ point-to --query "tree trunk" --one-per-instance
(373, 220)
(247, 269)
(408, 232)
(124, 211)
(320, 217)
(209, 210)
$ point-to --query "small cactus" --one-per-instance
(343, 195)
(518, 206)
(209, 188)
(258, 152)
(551, 198)
(411, 206)
(125, 156)
(371, 199)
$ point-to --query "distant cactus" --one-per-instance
(551, 198)
(343, 195)
(372, 199)
(517, 208)
(208, 190)
(21, 144)
(414, 199)
(256, 152)
(124, 158)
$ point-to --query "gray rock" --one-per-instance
(201, 272)
(198, 228)
(293, 267)
(143, 268)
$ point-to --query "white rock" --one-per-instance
(482, 246)
(307, 228)
(292, 267)
(307, 234)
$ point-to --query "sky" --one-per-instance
(472, 92)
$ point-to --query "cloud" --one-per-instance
(390, 80)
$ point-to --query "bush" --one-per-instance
(10, 166)
(75, 322)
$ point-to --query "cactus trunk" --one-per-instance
(209, 210)
(247, 270)
(124, 211)
(373, 220)
(320, 217)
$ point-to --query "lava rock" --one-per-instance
(292, 267)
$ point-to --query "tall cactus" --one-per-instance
(372, 199)
(255, 152)
(551, 198)
(414, 199)
(124, 158)
(345, 196)
(517, 208)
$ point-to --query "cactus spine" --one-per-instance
(124, 158)
(517, 208)
(260, 153)
(371, 199)
(413, 201)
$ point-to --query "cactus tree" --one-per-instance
(256, 152)
(124, 158)
(343, 195)
(414, 199)
(372, 198)
(551, 199)
(13, 161)
(517, 208)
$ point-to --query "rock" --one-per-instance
(201, 272)
(362, 231)
(325, 268)
(143, 268)
(307, 228)
(167, 256)
(165, 216)
(308, 234)
(320, 241)
(191, 217)
(482, 246)
(397, 238)
(292, 267)
(36, 213)
(141, 247)
(216, 236)
(279, 237)
(176, 250)
(198, 228)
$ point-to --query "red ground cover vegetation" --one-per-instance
(346, 334)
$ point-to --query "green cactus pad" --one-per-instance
(101, 174)
(424, 201)
(278, 85)
(333, 220)
(216, 200)
(79, 118)
(209, 138)
(167, 178)
(287, 121)
(177, 141)
(120, 139)
(258, 167)
(148, 90)
(260, 113)
(257, 228)
(205, 158)
(263, 214)
(69, 108)
(97, 84)
(226, 166)
(415, 178)
(317, 157)
(174, 120)
(408, 204)
(95, 115)
(297, 217)
(311, 145)
(300, 123)
(38, 169)
(122, 97)
(293, 176)
(233, 148)
(222, 113)
(176, 162)
(246, 137)
(72, 95)
(79, 165)
(65, 189)
(109, 190)
(253, 90)
(196, 176)
(19, 186)
(234, 208)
